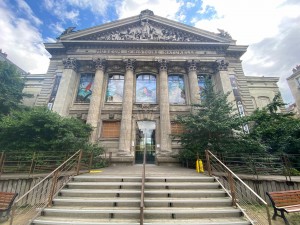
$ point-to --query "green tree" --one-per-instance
(280, 132)
(39, 129)
(213, 124)
(11, 86)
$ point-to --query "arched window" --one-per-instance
(176, 89)
(85, 88)
(145, 88)
(115, 88)
(201, 84)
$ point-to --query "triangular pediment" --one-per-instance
(145, 27)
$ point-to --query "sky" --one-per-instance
(271, 28)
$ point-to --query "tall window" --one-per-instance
(85, 88)
(176, 89)
(115, 88)
(146, 88)
(201, 84)
(111, 129)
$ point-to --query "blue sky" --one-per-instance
(271, 28)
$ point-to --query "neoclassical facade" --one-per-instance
(130, 78)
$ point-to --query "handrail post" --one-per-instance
(32, 163)
(232, 188)
(13, 211)
(78, 163)
(268, 214)
(2, 157)
(52, 190)
(208, 163)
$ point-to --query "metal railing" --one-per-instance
(41, 195)
(142, 204)
(255, 208)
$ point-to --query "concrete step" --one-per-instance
(104, 185)
(190, 193)
(99, 178)
(184, 202)
(74, 221)
(92, 212)
(182, 185)
(180, 179)
(103, 202)
(100, 193)
(188, 213)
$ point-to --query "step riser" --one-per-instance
(94, 215)
(92, 179)
(98, 204)
(184, 195)
(104, 187)
(181, 187)
(180, 180)
(102, 195)
(186, 204)
(190, 215)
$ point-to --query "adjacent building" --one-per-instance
(130, 78)
(294, 84)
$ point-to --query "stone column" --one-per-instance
(125, 133)
(222, 81)
(95, 103)
(165, 124)
(193, 81)
(67, 87)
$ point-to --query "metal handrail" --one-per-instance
(142, 205)
(54, 175)
(230, 175)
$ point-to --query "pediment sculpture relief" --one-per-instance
(146, 30)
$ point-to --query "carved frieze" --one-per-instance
(115, 68)
(177, 69)
(148, 30)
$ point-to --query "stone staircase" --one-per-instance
(100, 199)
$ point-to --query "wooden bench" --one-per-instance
(6, 201)
(285, 201)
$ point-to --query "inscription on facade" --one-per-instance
(148, 52)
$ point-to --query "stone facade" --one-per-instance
(294, 84)
(130, 78)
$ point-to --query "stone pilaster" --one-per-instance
(95, 103)
(193, 81)
(66, 89)
(222, 80)
(165, 124)
(125, 133)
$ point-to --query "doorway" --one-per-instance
(145, 139)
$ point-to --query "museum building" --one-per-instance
(130, 78)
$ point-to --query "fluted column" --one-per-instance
(125, 134)
(165, 124)
(222, 80)
(66, 89)
(193, 81)
(95, 103)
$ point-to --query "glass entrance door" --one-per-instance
(145, 139)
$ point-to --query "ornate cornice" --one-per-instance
(70, 63)
(129, 63)
(296, 69)
(163, 65)
(221, 65)
(99, 64)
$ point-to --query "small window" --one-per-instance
(177, 128)
(115, 88)
(111, 129)
(85, 88)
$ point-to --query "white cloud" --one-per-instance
(22, 42)
(263, 25)
(23, 5)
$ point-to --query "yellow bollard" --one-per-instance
(199, 166)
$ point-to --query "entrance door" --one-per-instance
(145, 138)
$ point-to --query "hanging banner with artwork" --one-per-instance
(115, 88)
(54, 90)
(146, 88)
(176, 89)
(85, 88)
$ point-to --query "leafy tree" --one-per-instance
(213, 124)
(39, 129)
(11, 86)
(280, 132)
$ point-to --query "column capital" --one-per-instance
(192, 65)
(163, 64)
(129, 63)
(70, 63)
(99, 64)
(221, 65)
